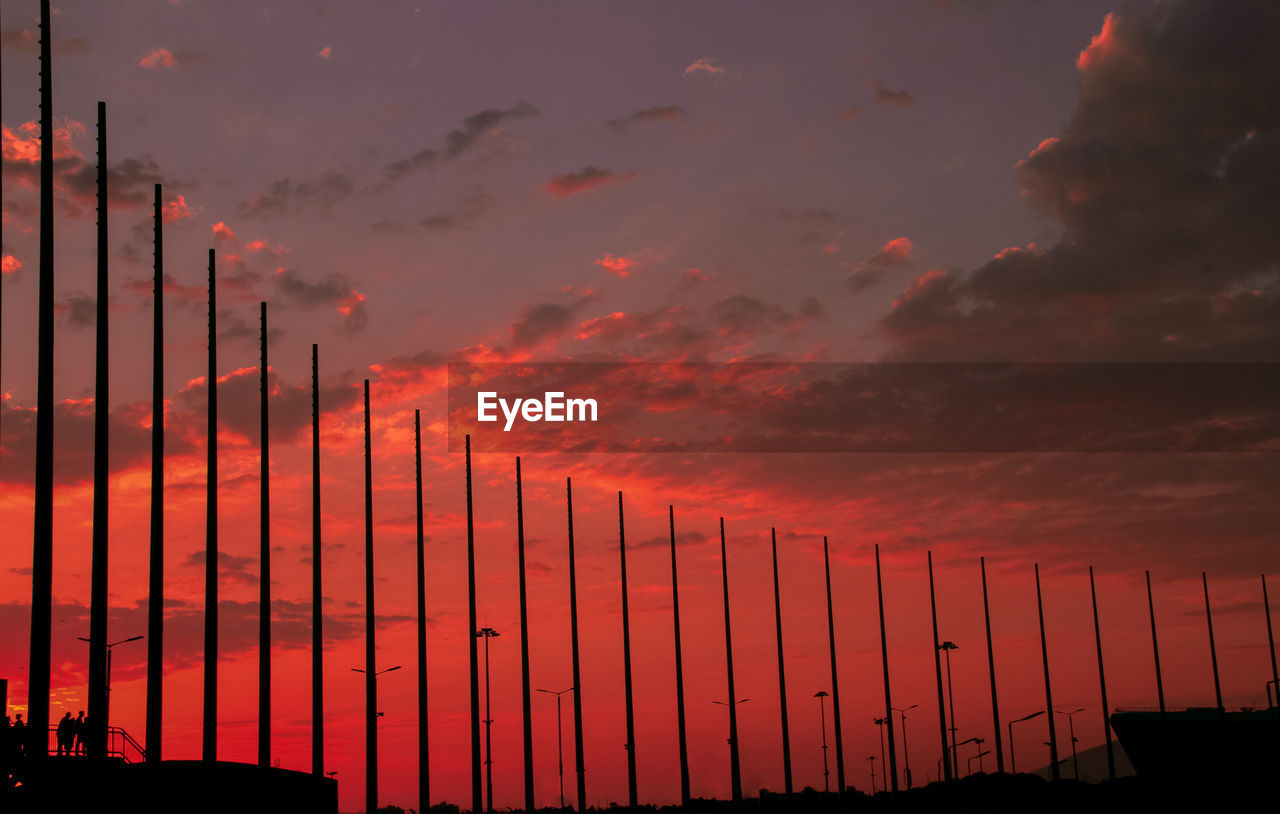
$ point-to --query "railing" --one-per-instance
(120, 745)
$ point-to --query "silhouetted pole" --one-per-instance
(477, 801)
(835, 679)
(38, 677)
(782, 670)
(1271, 642)
(210, 750)
(735, 767)
(577, 674)
(559, 738)
(424, 766)
(1013, 758)
(1213, 650)
(821, 695)
(888, 703)
(675, 614)
(947, 647)
(937, 667)
(1155, 644)
(370, 674)
(487, 633)
(1048, 691)
(632, 793)
(155, 568)
(991, 668)
(526, 692)
(317, 596)
(264, 556)
(98, 653)
(1102, 681)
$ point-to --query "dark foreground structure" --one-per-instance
(187, 786)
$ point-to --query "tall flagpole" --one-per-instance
(577, 673)
(782, 671)
(526, 692)
(370, 644)
(991, 668)
(888, 703)
(735, 767)
(264, 557)
(210, 743)
(477, 799)
(1054, 769)
(675, 614)
(1102, 681)
(424, 765)
(317, 596)
(101, 432)
(937, 668)
(155, 588)
(632, 791)
(835, 679)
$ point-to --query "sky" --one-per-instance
(412, 184)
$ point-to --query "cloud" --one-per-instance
(286, 197)
(80, 310)
(325, 52)
(1163, 180)
(222, 235)
(896, 252)
(744, 316)
(623, 265)
(851, 112)
(671, 114)
(562, 185)
(473, 208)
(158, 58)
(9, 264)
(704, 65)
(333, 290)
(458, 142)
(892, 98)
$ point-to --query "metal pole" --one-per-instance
(526, 692)
(98, 652)
(735, 769)
(317, 597)
(579, 752)
(1213, 651)
(38, 676)
(210, 744)
(822, 713)
(991, 668)
(1048, 692)
(632, 791)
(937, 668)
(782, 671)
(1271, 642)
(155, 567)
(424, 764)
(675, 614)
(888, 703)
(487, 633)
(371, 684)
(1155, 644)
(264, 556)
(955, 759)
(835, 680)
(477, 801)
(560, 748)
(1102, 681)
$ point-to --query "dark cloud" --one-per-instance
(332, 290)
(672, 114)
(79, 310)
(893, 98)
(130, 183)
(1164, 181)
(458, 142)
(472, 209)
(743, 316)
(562, 185)
(287, 197)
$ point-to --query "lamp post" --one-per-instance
(1071, 728)
(880, 722)
(978, 757)
(946, 648)
(106, 712)
(559, 737)
(821, 695)
(1013, 762)
(974, 740)
(487, 633)
(872, 760)
(906, 755)
(371, 771)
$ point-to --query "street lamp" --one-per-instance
(1013, 763)
(906, 754)
(371, 768)
(487, 633)
(880, 722)
(872, 760)
(946, 648)
(978, 757)
(821, 695)
(1071, 726)
(559, 736)
(975, 739)
(106, 713)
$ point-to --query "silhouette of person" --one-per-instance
(66, 734)
(80, 732)
(20, 735)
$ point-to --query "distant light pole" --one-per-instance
(872, 760)
(946, 648)
(821, 695)
(487, 633)
(107, 711)
(906, 755)
(880, 722)
(372, 772)
(978, 757)
(1071, 727)
(1013, 762)
(559, 737)
(978, 742)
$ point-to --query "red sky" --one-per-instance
(408, 186)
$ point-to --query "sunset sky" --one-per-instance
(410, 183)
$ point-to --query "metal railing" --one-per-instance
(120, 745)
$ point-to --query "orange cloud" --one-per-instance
(1031, 248)
(896, 252)
(158, 58)
(325, 52)
(176, 210)
(9, 264)
(704, 65)
(919, 284)
(348, 304)
(1102, 45)
(222, 233)
(24, 145)
(622, 265)
(562, 185)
